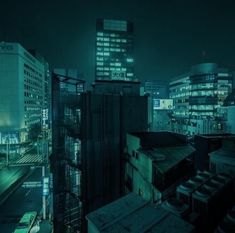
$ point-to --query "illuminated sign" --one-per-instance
(163, 104)
(118, 75)
(45, 119)
(9, 137)
(45, 186)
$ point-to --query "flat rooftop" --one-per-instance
(223, 156)
(131, 213)
(160, 139)
(167, 157)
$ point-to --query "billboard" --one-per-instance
(163, 104)
(9, 138)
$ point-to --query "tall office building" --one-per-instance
(22, 90)
(89, 135)
(114, 50)
(198, 96)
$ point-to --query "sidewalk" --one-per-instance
(45, 227)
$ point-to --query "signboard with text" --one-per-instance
(163, 104)
(45, 119)
(45, 186)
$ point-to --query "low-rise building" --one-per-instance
(223, 160)
(205, 144)
(132, 213)
(156, 163)
(208, 195)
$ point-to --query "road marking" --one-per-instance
(28, 192)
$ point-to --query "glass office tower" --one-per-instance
(114, 50)
(198, 97)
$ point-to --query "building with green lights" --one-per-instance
(114, 50)
(198, 97)
(22, 93)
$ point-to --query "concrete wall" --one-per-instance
(105, 121)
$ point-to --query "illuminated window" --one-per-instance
(99, 58)
(129, 59)
(100, 39)
(99, 44)
(129, 74)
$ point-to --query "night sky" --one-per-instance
(170, 36)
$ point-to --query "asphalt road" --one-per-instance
(21, 201)
(9, 176)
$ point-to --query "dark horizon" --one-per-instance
(169, 38)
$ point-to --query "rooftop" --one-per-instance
(131, 213)
(160, 139)
(168, 157)
(216, 136)
(224, 156)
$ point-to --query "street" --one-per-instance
(22, 200)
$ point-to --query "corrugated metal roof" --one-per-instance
(173, 155)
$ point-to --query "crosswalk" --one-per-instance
(29, 159)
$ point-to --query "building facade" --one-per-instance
(156, 162)
(89, 135)
(108, 113)
(179, 91)
(114, 50)
(198, 96)
(22, 95)
(228, 113)
(158, 95)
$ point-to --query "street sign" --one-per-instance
(45, 186)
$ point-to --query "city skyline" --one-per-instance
(169, 38)
(117, 116)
